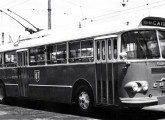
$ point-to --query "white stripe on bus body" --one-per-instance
(37, 85)
(11, 84)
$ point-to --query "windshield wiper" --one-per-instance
(143, 49)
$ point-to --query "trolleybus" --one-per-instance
(89, 67)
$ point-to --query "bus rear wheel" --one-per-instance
(2, 93)
(84, 100)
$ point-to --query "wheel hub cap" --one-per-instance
(84, 100)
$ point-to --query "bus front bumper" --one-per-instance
(139, 102)
(161, 100)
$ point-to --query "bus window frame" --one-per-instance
(73, 59)
(64, 60)
(87, 57)
(2, 60)
(81, 59)
(109, 56)
(48, 54)
(90, 59)
(27, 56)
(142, 59)
(103, 50)
(7, 64)
(101, 60)
(96, 53)
(108, 38)
(56, 48)
(112, 49)
(36, 63)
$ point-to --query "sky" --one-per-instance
(66, 13)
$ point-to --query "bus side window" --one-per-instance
(87, 51)
(61, 54)
(74, 51)
(109, 50)
(103, 50)
(56, 54)
(52, 54)
(37, 56)
(81, 51)
(1, 63)
(98, 50)
(10, 59)
(115, 48)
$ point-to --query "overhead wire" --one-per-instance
(119, 12)
(18, 4)
(109, 13)
(84, 6)
(7, 4)
(112, 13)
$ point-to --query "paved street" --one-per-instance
(38, 110)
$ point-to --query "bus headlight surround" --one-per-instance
(137, 86)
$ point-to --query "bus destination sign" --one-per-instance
(159, 22)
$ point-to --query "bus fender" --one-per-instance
(77, 84)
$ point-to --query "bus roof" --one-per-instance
(92, 30)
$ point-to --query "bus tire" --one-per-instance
(2, 93)
(84, 100)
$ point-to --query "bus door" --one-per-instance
(104, 71)
(22, 73)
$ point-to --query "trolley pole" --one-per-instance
(49, 14)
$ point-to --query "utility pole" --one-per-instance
(49, 15)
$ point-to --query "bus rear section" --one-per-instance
(142, 70)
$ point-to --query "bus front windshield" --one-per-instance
(141, 44)
(161, 35)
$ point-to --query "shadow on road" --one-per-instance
(99, 112)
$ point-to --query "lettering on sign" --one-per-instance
(159, 83)
(154, 23)
(37, 75)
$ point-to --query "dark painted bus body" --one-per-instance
(124, 68)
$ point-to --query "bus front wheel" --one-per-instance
(84, 100)
(2, 93)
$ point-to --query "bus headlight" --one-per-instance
(137, 86)
(144, 85)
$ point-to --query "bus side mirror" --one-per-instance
(123, 55)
